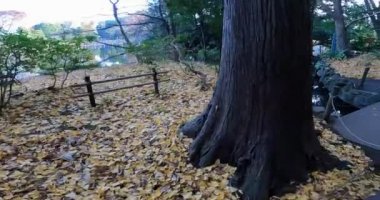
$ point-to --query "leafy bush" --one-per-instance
(336, 56)
(50, 58)
(63, 55)
(364, 40)
(209, 55)
(18, 52)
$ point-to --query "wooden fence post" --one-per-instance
(364, 77)
(90, 91)
(155, 79)
(329, 106)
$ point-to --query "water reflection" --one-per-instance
(108, 56)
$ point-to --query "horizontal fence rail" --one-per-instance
(121, 88)
(91, 94)
(118, 79)
(6, 76)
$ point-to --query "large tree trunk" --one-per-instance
(340, 28)
(260, 116)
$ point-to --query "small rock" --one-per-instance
(86, 176)
(71, 195)
(68, 156)
(106, 116)
(60, 178)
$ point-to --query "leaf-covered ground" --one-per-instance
(53, 146)
(354, 67)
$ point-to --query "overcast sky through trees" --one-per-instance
(55, 11)
(76, 11)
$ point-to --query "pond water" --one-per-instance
(24, 75)
(108, 56)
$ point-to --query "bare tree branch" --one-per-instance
(374, 14)
(148, 16)
(108, 27)
(362, 18)
(112, 45)
(132, 24)
(115, 14)
(110, 57)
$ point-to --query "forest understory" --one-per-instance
(53, 146)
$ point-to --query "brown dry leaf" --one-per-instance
(127, 147)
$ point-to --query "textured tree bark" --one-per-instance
(259, 118)
(340, 28)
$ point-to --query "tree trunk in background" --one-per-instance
(376, 26)
(116, 16)
(54, 82)
(337, 15)
(172, 25)
(64, 79)
(171, 30)
(260, 116)
(340, 28)
(203, 39)
(166, 24)
(374, 14)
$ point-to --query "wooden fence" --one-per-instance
(7, 80)
(91, 94)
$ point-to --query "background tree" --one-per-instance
(259, 118)
(323, 29)
(373, 11)
(358, 26)
(116, 17)
(334, 9)
(362, 33)
(63, 55)
(9, 17)
(193, 26)
(199, 27)
(159, 21)
(50, 59)
(108, 30)
(75, 57)
(49, 30)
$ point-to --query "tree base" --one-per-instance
(262, 171)
(260, 117)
